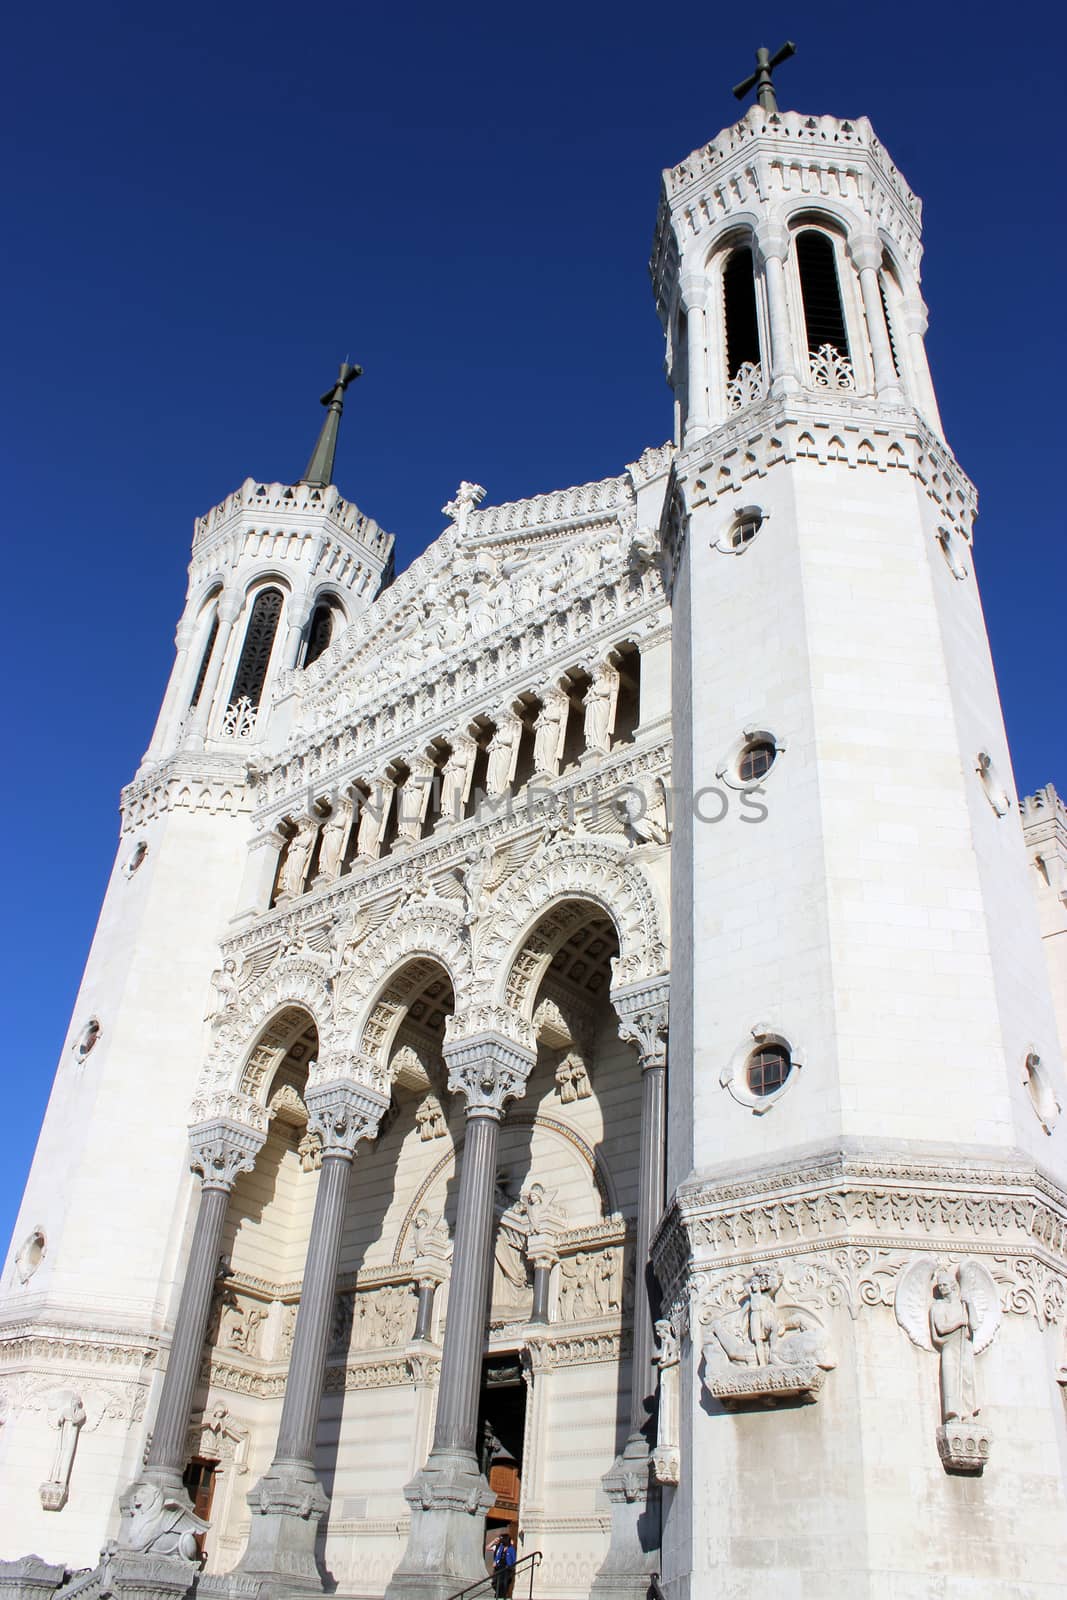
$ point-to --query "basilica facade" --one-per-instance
(572, 1043)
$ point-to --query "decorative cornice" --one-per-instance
(214, 782)
(276, 504)
(376, 884)
(91, 1345)
(768, 160)
(847, 430)
(867, 1206)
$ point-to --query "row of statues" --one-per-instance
(367, 810)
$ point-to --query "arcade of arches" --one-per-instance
(469, 1292)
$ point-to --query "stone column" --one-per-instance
(634, 1550)
(288, 1502)
(544, 1258)
(261, 869)
(183, 643)
(772, 248)
(424, 1308)
(298, 616)
(866, 253)
(694, 291)
(915, 320)
(450, 1496)
(221, 1150)
(197, 726)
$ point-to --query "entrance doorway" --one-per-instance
(501, 1430)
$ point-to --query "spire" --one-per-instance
(319, 470)
(762, 80)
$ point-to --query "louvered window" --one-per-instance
(205, 661)
(739, 305)
(889, 323)
(319, 633)
(824, 316)
(255, 653)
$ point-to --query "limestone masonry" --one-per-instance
(613, 997)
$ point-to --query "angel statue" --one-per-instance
(954, 1311)
(227, 990)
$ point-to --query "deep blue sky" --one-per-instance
(208, 206)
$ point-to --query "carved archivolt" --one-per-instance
(297, 983)
(570, 868)
(379, 989)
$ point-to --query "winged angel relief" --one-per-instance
(955, 1312)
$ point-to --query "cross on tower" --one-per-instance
(761, 80)
(319, 472)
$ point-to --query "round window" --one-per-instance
(756, 760)
(767, 1069)
(745, 529)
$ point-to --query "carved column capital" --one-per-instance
(693, 286)
(643, 1013)
(866, 251)
(488, 1070)
(342, 1114)
(221, 1149)
(772, 241)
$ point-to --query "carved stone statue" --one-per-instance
(227, 990)
(159, 1522)
(67, 1414)
(479, 866)
(572, 1078)
(599, 706)
(429, 1235)
(373, 813)
(665, 1457)
(334, 838)
(503, 749)
(430, 1118)
(644, 814)
(455, 778)
(785, 1344)
(549, 733)
(295, 866)
(511, 1281)
(955, 1312)
(578, 1288)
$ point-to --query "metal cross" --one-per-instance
(761, 79)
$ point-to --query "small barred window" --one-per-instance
(756, 760)
(768, 1069)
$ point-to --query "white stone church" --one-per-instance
(572, 1043)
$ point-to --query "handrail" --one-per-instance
(485, 1585)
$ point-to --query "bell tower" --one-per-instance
(863, 1246)
(278, 571)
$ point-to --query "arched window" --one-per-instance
(744, 374)
(891, 297)
(255, 652)
(739, 306)
(824, 314)
(205, 661)
(320, 632)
